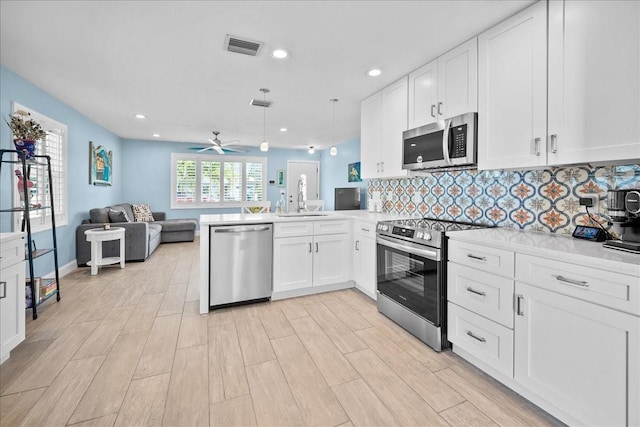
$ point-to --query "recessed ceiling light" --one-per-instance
(283, 129)
(374, 72)
(280, 54)
(156, 135)
(140, 116)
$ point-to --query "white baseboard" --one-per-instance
(310, 291)
(64, 270)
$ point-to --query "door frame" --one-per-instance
(316, 162)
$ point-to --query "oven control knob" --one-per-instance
(427, 236)
(419, 235)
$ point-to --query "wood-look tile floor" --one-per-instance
(128, 348)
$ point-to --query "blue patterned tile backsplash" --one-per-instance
(541, 200)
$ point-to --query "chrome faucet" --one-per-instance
(302, 190)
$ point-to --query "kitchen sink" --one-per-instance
(301, 214)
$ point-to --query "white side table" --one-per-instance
(96, 237)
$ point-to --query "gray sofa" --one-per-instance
(141, 238)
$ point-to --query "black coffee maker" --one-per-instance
(624, 210)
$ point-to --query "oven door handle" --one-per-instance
(433, 255)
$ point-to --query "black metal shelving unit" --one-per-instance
(31, 253)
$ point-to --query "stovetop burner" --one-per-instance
(425, 231)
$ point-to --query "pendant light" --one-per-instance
(333, 151)
(264, 146)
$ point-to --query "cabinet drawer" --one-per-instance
(12, 251)
(614, 290)
(497, 261)
(486, 294)
(336, 226)
(292, 229)
(365, 229)
(485, 340)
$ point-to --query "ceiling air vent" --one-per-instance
(260, 103)
(244, 46)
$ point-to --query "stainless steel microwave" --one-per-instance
(446, 143)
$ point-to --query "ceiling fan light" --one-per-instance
(264, 146)
(312, 150)
(333, 151)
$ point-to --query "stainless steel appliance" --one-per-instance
(411, 280)
(240, 263)
(624, 210)
(347, 199)
(445, 143)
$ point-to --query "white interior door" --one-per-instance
(295, 171)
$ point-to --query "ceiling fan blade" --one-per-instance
(229, 142)
(218, 149)
(234, 150)
(205, 149)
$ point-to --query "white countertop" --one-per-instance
(234, 219)
(553, 246)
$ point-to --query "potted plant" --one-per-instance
(26, 132)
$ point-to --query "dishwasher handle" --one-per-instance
(240, 229)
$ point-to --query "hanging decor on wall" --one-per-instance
(100, 165)
(280, 181)
(354, 172)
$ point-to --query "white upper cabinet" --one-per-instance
(445, 87)
(383, 119)
(512, 95)
(594, 81)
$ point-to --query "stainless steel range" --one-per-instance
(412, 281)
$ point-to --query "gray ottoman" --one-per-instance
(178, 230)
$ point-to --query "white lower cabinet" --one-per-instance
(302, 259)
(582, 357)
(568, 339)
(12, 289)
(364, 258)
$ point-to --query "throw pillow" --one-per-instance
(117, 216)
(142, 213)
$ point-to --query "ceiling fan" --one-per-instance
(219, 146)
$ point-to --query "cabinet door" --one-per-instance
(367, 265)
(423, 95)
(458, 80)
(331, 259)
(12, 315)
(578, 356)
(292, 263)
(370, 134)
(512, 110)
(394, 122)
(594, 88)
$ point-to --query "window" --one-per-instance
(55, 146)
(201, 181)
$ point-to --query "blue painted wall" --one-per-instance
(334, 170)
(81, 130)
(149, 163)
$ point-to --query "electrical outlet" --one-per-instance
(590, 201)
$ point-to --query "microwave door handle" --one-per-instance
(445, 141)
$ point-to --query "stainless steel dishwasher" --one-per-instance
(240, 263)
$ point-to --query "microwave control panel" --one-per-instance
(458, 140)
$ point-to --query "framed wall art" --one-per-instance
(354, 172)
(100, 165)
(280, 179)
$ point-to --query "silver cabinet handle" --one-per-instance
(554, 143)
(519, 311)
(364, 229)
(572, 281)
(473, 291)
(316, 246)
(433, 107)
(310, 249)
(474, 336)
(381, 166)
(357, 245)
(440, 108)
(378, 167)
(4, 290)
(479, 258)
(536, 144)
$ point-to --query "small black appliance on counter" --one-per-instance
(624, 210)
(347, 199)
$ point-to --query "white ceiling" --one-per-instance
(165, 59)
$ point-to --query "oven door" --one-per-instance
(412, 275)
